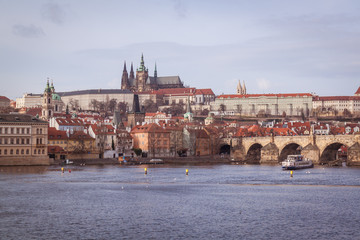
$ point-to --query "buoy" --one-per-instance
(145, 171)
(187, 172)
(291, 173)
(62, 170)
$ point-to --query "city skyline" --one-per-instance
(274, 46)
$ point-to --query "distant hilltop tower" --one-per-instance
(241, 89)
(142, 81)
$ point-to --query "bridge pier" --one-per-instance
(312, 152)
(270, 154)
(353, 157)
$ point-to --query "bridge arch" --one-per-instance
(289, 149)
(224, 149)
(331, 153)
(253, 155)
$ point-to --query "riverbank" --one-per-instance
(137, 161)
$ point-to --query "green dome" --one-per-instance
(55, 97)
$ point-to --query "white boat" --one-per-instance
(156, 161)
(294, 162)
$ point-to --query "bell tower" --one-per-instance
(47, 106)
(141, 76)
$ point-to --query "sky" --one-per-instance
(275, 46)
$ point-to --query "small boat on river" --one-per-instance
(294, 162)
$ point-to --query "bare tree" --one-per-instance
(150, 106)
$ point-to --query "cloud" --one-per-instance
(262, 83)
(29, 31)
(180, 8)
(53, 13)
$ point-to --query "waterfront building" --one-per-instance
(70, 144)
(143, 82)
(23, 140)
(152, 139)
(263, 104)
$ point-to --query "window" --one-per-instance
(34, 151)
(28, 130)
(39, 151)
(12, 130)
(6, 130)
(0, 151)
(23, 130)
(22, 151)
(0, 130)
(17, 151)
(27, 151)
(28, 141)
(17, 141)
(0, 140)
(22, 141)
(5, 152)
(43, 151)
(11, 152)
(11, 141)
(37, 131)
(5, 141)
(18, 130)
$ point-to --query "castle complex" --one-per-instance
(143, 82)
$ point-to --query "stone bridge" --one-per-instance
(274, 149)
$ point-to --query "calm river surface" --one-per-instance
(212, 202)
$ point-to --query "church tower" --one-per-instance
(47, 107)
(141, 76)
(241, 89)
(125, 79)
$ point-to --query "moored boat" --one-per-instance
(294, 162)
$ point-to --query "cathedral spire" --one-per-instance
(155, 72)
(132, 76)
(124, 67)
(142, 64)
(124, 78)
(239, 89)
(244, 88)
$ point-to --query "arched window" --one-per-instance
(17, 151)
(48, 100)
(27, 151)
(28, 141)
(40, 130)
(34, 151)
(11, 152)
(22, 151)
(22, 141)
(49, 113)
(43, 151)
(56, 108)
(39, 151)
(37, 131)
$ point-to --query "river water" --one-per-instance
(212, 202)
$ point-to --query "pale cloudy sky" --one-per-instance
(275, 46)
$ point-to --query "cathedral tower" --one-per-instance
(141, 76)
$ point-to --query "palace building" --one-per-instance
(143, 82)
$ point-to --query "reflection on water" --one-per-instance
(23, 169)
(212, 202)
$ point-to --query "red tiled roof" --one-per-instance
(205, 91)
(358, 91)
(336, 98)
(34, 112)
(4, 98)
(69, 121)
(265, 95)
(176, 91)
